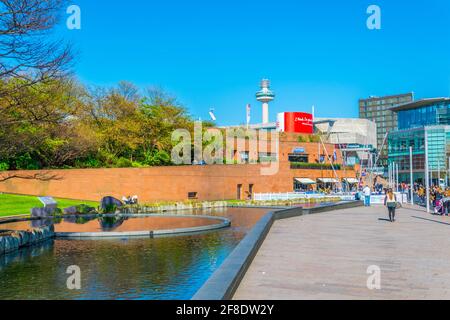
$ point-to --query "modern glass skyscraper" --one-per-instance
(428, 117)
(378, 109)
(426, 112)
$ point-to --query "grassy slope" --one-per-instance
(11, 205)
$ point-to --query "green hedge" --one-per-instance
(318, 166)
(309, 139)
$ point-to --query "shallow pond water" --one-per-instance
(156, 269)
(119, 223)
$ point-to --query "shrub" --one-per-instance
(58, 212)
(309, 138)
(136, 164)
(318, 166)
(157, 158)
(123, 163)
(88, 163)
(110, 208)
(4, 166)
(26, 162)
(84, 209)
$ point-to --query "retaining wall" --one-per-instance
(13, 241)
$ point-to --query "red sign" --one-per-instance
(296, 122)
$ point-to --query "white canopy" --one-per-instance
(351, 180)
(305, 181)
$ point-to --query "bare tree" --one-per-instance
(40, 176)
(27, 52)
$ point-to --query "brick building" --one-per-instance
(298, 162)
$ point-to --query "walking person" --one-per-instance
(367, 193)
(391, 203)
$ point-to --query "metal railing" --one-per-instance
(297, 196)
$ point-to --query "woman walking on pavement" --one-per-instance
(391, 203)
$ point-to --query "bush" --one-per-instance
(4, 166)
(58, 212)
(123, 163)
(88, 163)
(136, 164)
(318, 166)
(26, 162)
(157, 158)
(309, 138)
(84, 209)
(110, 208)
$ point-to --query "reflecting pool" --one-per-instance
(135, 268)
(118, 223)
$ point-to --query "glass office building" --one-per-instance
(379, 110)
(435, 113)
(417, 120)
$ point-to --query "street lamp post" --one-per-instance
(411, 187)
(390, 175)
(439, 174)
(393, 176)
(427, 173)
(448, 174)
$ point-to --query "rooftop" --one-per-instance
(372, 98)
(419, 103)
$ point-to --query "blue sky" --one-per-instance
(214, 53)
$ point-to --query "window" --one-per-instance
(192, 196)
(250, 190)
(425, 116)
(267, 157)
(239, 192)
(298, 158)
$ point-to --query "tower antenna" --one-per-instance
(265, 95)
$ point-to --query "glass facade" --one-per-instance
(436, 114)
(438, 151)
(424, 119)
(438, 142)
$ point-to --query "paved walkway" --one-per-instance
(326, 256)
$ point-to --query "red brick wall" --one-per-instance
(217, 182)
(162, 183)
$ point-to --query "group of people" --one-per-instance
(439, 198)
(130, 200)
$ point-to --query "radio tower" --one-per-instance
(265, 95)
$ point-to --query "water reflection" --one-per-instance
(161, 268)
(111, 223)
(117, 223)
(78, 219)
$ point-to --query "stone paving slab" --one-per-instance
(326, 256)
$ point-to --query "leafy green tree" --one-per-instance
(40, 121)
(62, 124)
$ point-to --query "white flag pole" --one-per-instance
(427, 173)
(249, 108)
(411, 187)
